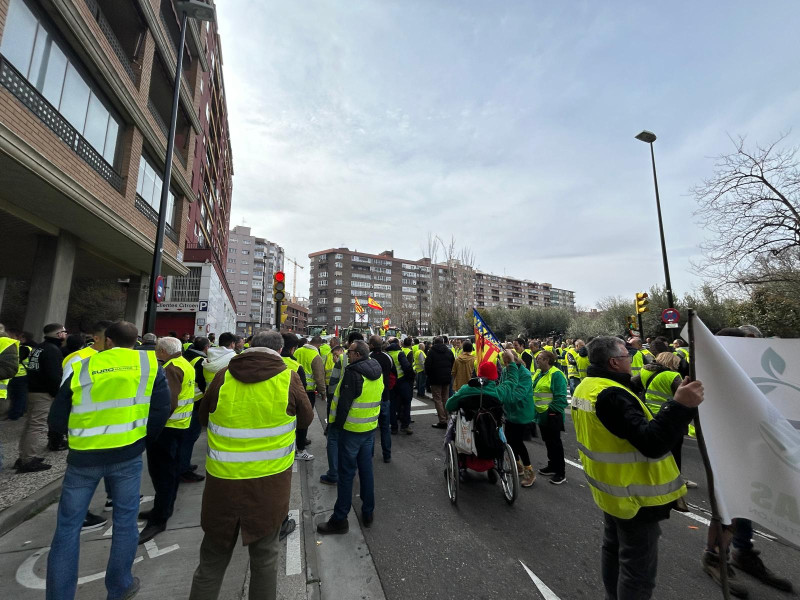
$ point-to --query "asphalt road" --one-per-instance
(424, 547)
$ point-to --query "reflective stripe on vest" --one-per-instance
(637, 362)
(181, 417)
(249, 434)
(582, 363)
(419, 368)
(621, 479)
(364, 412)
(198, 393)
(111, 399)
(542, 393)
(395, 354)
(305, 356)
(658, 390)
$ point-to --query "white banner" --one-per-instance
(750, 418)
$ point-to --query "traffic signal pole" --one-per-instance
(641, 327)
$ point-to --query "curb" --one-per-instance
(30, 506)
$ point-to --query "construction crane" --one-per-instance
(294, 278)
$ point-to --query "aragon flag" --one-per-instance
(359, 308)
(373, 304)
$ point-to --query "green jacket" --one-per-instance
(515, 393)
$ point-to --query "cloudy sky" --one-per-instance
(509, 125)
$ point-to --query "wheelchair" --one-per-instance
(492, 456)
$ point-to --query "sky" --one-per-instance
(506, 125)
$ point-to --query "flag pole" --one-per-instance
(716, 527)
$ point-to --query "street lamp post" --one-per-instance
(649, 137)
(201, 11)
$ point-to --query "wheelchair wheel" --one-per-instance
(509, 479)
(451, 472)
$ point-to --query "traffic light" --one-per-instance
(632, 322)
(284, 316)
(279, 286)
(642, 302)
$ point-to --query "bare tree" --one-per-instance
(451, 292)
(752, 205)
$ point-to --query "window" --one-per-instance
(322, 275)
(322, 282)
(242, 303)
(337, 318)
(337, 309)
(245, 262)
(243, 282)
(338, 256)
(337, 300)
(338, 265)
(242, 292)
(244, 272)
(246, 242)
(245, 251)
(230, 270)
(148, 186)
(32, 49)
(232, 261)
(338, 282)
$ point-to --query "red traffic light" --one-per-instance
(280, 276)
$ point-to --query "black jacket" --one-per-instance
(44, 367)
(386, 363)
(405, 364)
(439, 365)
(190, 354)
(623, 416)
(352, 385)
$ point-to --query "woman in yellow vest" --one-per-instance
(550, 398)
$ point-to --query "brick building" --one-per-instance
(511, 292)
(296, 319)
(85, 93)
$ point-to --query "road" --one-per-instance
(424, 547)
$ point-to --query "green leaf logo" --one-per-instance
(772, 360)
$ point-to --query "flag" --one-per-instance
(751, 425)
(386, 323)
(373, 304)
(359, 308)
(486, 343)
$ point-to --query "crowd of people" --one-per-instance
(111, 396)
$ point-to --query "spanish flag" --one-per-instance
(373, 304)
(359, 308)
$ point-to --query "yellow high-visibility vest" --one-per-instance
(621, 478)
(249, 434)
(417, 367)
(182, 415)
(583, 365)
(7, 342)
(291, 363)
(198, 393)
(305, 356)
(637, 362)
(542, 392)
(658, 388)
(111, 393)
(364, 412)
(22, 370)
(395, 354)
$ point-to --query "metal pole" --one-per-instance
(150, 319)
(278, 305)
(670, 300)
(641, 326)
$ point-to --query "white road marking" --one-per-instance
(294, 467)
(426, 411)
(111, 529)
(144, 499)
(574, 464)
(26, 576)
(545, 591)
(415, 402)
(153, 550)
(293, 556)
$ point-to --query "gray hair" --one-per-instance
(169, 345)
(602, 348)
(267, 339)
(360, 346)
(150, 338)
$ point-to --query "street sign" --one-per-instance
(203, 305)
(178, 307)
(160, 290)
(672, 325)
(670, 315)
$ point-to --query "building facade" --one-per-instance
(85, 93)
(511, 292)
(296, 319)
(251, 264)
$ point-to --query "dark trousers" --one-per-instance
(300, 434)
(515, 433)
(190, 436)
(551, 436)
(400, 410)
(163, 466)
(384, 426)
(629, 558)
(17, 397)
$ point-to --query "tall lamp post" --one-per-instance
(649, 137)
(196, 9)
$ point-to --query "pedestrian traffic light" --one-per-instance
(279, 286)
(642, 302)
(632, 322)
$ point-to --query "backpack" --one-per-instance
(487, 439)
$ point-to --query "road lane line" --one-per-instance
(415, 402)
(293, 559)
(427, 411)
(26, 576)
(545, 591)
(153, 550)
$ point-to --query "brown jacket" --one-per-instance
(175, 381)
(257, 505)
(463, 369)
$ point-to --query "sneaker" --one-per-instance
(303, 455)
(528, 477)
(33, 466)
(333, 526)
(710, 562)
(93, 521)
(558, 479)
(406, 430)
(680, 505)
(690, 484)
(439, 425)
(133, 590)
(548, 471)
(287, 527)
(750, 562)
(327, 480)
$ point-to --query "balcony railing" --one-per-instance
(28, 95)
(148, 211)
(105, 27)
(164, 129)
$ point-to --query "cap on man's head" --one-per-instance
(488, 371)
(149, 338)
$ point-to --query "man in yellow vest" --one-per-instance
(196, 355)
(574, 371)
(309, 358)
(9, 363)
(163, 460)
(252, 408)
(630, 470)
(523, 353)
(110, 404)
(355, 411)
(14, 388)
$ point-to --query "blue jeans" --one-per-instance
(355, 453)
(333, 452)
(573, 383)
(421, 380)
(79, 485)
(401, 404)
(384, 425)
(187, 443)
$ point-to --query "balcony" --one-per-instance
(200, 252)
(122, 28)
(36, 103)
(148, 211)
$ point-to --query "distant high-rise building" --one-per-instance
(252, 262)
(511, 292)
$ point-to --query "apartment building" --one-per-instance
(85, 93)
(251, 264)
(296, 319)
(511, 292)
